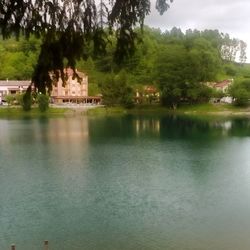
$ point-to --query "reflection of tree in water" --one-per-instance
(232, 126)
(179, 127)
(175, 127)
(240, 127)
(147, 125)
(203, 128)
(124, 126)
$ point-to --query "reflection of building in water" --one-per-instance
(225, 126)
(147, 125)
(68, 130)
(67, 144)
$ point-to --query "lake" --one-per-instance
(125, 182)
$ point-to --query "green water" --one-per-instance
(131, 182)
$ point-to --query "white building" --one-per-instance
(9, 87)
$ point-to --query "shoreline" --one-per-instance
(101, 110)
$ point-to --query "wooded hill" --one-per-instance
(174, 62)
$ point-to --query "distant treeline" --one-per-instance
(173, 61)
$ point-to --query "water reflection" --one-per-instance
(147, 125)
(44, 130)
(128, 182)
(194, 128)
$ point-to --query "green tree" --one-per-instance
(69, 28)
(240, 91)
(243, 56)
(171, 73)
(18, 61)
(43, 102)
(198, 93)
(27, 100)
(229, 48)
(204, 60)
(10, 99)
(115, 90)
(181, 71)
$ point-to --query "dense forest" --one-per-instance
(176, 63)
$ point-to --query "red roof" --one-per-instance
(150, 89)
(222, 84)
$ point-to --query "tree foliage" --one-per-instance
(116, 90)
(240, 91)
(18, 58)
(72, 29)
(27, 100)
(174, 62)
(43, 102)
(181, 71)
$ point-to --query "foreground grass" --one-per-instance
(18, 112)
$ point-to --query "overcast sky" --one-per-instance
(228, 16)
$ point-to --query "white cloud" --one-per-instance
(228, 16)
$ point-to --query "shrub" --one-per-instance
(27, 101)
(43, 102)
(116, 90)
(240, 91)
(10, 99)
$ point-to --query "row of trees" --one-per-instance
(240, 91)
(176, 63)
(105, 32)
(25, 100)
(18, 58)
(73, 30)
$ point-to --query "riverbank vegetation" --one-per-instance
(206, 109)
(175, 64)
(18, 112)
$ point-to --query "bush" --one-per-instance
(19, 99)
(10, 99)
(43, 102)
(116, 91)
(240, 91)
(241, 96)
(27, 101)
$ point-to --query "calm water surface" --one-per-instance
(130, 182)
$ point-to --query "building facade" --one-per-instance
(73, 90)
(12, 87)
(220, 86)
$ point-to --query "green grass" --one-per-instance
(199, 109)
(211, 108)
(106, 111)
(138, 109)
(17, 112)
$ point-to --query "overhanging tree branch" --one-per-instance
(69, 28)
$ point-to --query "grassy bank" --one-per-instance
(17, 112)
(107, 111)
(200, 109)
